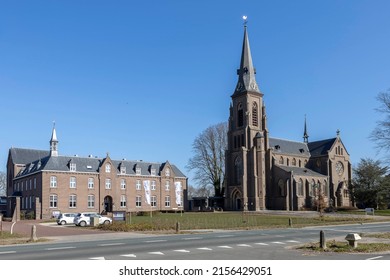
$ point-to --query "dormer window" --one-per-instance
(123, 169)
(277, 147)
(301, 151)
(138, 171)
(108, 168)
(72, 167)
(153, 172)
(167, 172)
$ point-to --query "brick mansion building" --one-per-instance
(47, 183)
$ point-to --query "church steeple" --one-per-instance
(246, 72)
(54, 142)
(305, 135)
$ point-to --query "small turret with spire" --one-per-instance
(54, 142)
(305, 135)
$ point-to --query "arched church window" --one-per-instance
(254, 114)
(312, 187)
(281, 187)
(294, 162)
(281, 160)
(300, 187)
(238, 169)
(240, 113)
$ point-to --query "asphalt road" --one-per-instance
(273, 244)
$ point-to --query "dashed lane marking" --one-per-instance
(278, 242)
(129, 256)
(7, 252)
(97, 258)
(263, 244)
(182, 251)
(223, 236)
(225, 247)
(59, 248)
(192, 238)
(110, 244)
(156, 253)
(292, 241)
(374, 258)
(243, 245)
(154, 241)
(205, 249)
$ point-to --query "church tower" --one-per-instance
(247, 140)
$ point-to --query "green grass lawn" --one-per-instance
(224, 220)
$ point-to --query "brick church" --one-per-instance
(263, 172)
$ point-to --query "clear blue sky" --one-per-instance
(141, 79)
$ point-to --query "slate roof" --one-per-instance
(301, 171)
(289, 147)
(41, 160)
(25, 156)
(320, 148)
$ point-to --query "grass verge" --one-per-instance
(343, 247)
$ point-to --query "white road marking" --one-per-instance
(374, 258)
(8, 252)
(154, 241)
(244, 245)
(192, 238)
(156, 253)
(278, 242)
(223, 236)
(264, 244)
(60, 248)
(97, 258)
(182, 251)
(110, 244)
(129, 256)
(292, 241)
(205, 248)
(225, 247)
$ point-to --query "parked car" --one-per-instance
(66, 218)
(84, 219)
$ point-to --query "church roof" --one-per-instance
(320, 148)
(289, 147)
(299, 171)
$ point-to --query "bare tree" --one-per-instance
(3, 183)
(208, 161)
(381, 133)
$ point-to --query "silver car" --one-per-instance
(66, 218)
(84, 219)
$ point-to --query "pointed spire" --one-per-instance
(246, 73)
(305, 135)
(54, 142)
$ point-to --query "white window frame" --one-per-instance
(72, 182)
(138, 201)
(72, 167)
(153, 171)
(53, 182)
(91, 183)
(108, 184)
(138, 170)
(167, 201)
(123, 169)
(91, 201)
(167, 172)
(123, 201)
(123, 184)
(153, 201)
(153, 185)
(167, 185)
(72, 201)
(138, 185)
(53, 201)
(108, 168)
